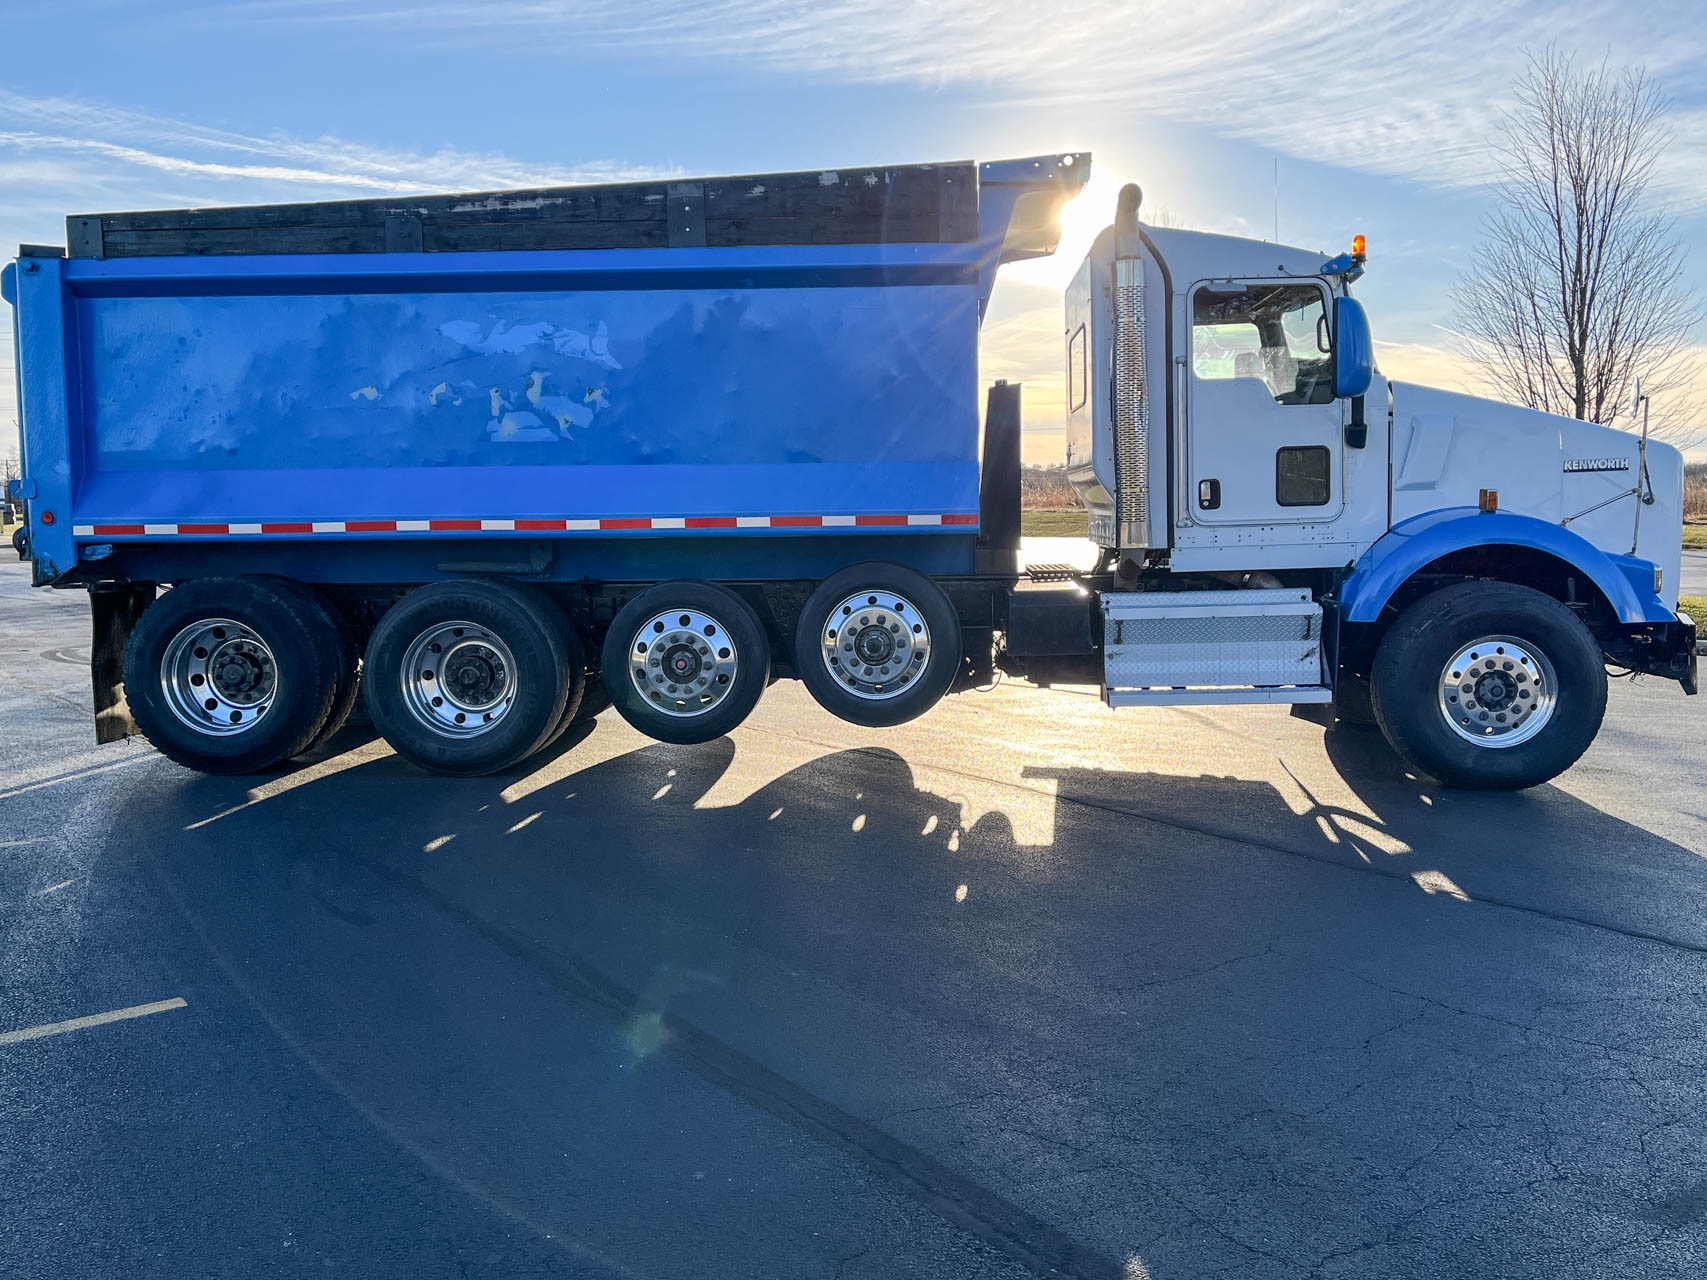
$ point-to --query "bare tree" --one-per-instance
(1578, 286)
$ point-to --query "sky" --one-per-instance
(1305, 122)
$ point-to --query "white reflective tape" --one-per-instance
(924, 520)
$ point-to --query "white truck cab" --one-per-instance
(1281, 523)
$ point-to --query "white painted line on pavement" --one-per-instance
(93, 1020)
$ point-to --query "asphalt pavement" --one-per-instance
(1025, 988)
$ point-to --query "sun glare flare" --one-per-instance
(1080, 219)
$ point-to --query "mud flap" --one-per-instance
(114, 612)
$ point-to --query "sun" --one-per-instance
(1080, 220)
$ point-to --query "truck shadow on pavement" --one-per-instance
(1188, 1029)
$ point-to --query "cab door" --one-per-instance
(1264, 439)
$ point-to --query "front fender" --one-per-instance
(1626, 582)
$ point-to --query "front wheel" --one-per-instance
(1489, 686)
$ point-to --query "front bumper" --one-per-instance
(1658, 648)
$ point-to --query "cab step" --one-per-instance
(1172, 648)
(1053, 572)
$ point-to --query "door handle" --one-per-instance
(1208, 495)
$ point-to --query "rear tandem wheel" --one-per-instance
(234, 675)
(470, 677)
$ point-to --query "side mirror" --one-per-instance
(1354, 349)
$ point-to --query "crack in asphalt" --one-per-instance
(981, 1213)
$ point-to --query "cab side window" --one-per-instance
(1276, 334)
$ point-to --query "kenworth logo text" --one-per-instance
(1597, 464)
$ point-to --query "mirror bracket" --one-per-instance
(1357, 430)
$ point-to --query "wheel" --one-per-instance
(1489, 686)
(877, 644)
(469, 677)
(232, 675)
(685, 661)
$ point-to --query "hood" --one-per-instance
(1447, 447)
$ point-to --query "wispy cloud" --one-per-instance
(1388, 86)
(61, 155)
(72, 155)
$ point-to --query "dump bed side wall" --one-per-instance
(395, 415)
(770, 392)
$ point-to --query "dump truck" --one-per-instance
(497, 461)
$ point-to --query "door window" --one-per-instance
(1275, 334)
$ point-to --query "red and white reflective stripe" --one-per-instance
(607, 524)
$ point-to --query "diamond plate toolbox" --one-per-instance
(1155, 639)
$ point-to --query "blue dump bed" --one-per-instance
(187, 398)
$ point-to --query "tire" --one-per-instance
(580, 687)
(914, 638)
(503, 648)
(349, 689)
(262, 650)
(1529, 693)
(723, 681)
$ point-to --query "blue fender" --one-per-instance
(1627, 583)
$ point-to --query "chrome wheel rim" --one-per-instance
(875, 644)
(683, 662)
(1498, 692)
(459, 679)
(219, 677)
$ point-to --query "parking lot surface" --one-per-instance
(1024, 988)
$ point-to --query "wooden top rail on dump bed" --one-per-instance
(907, 204)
